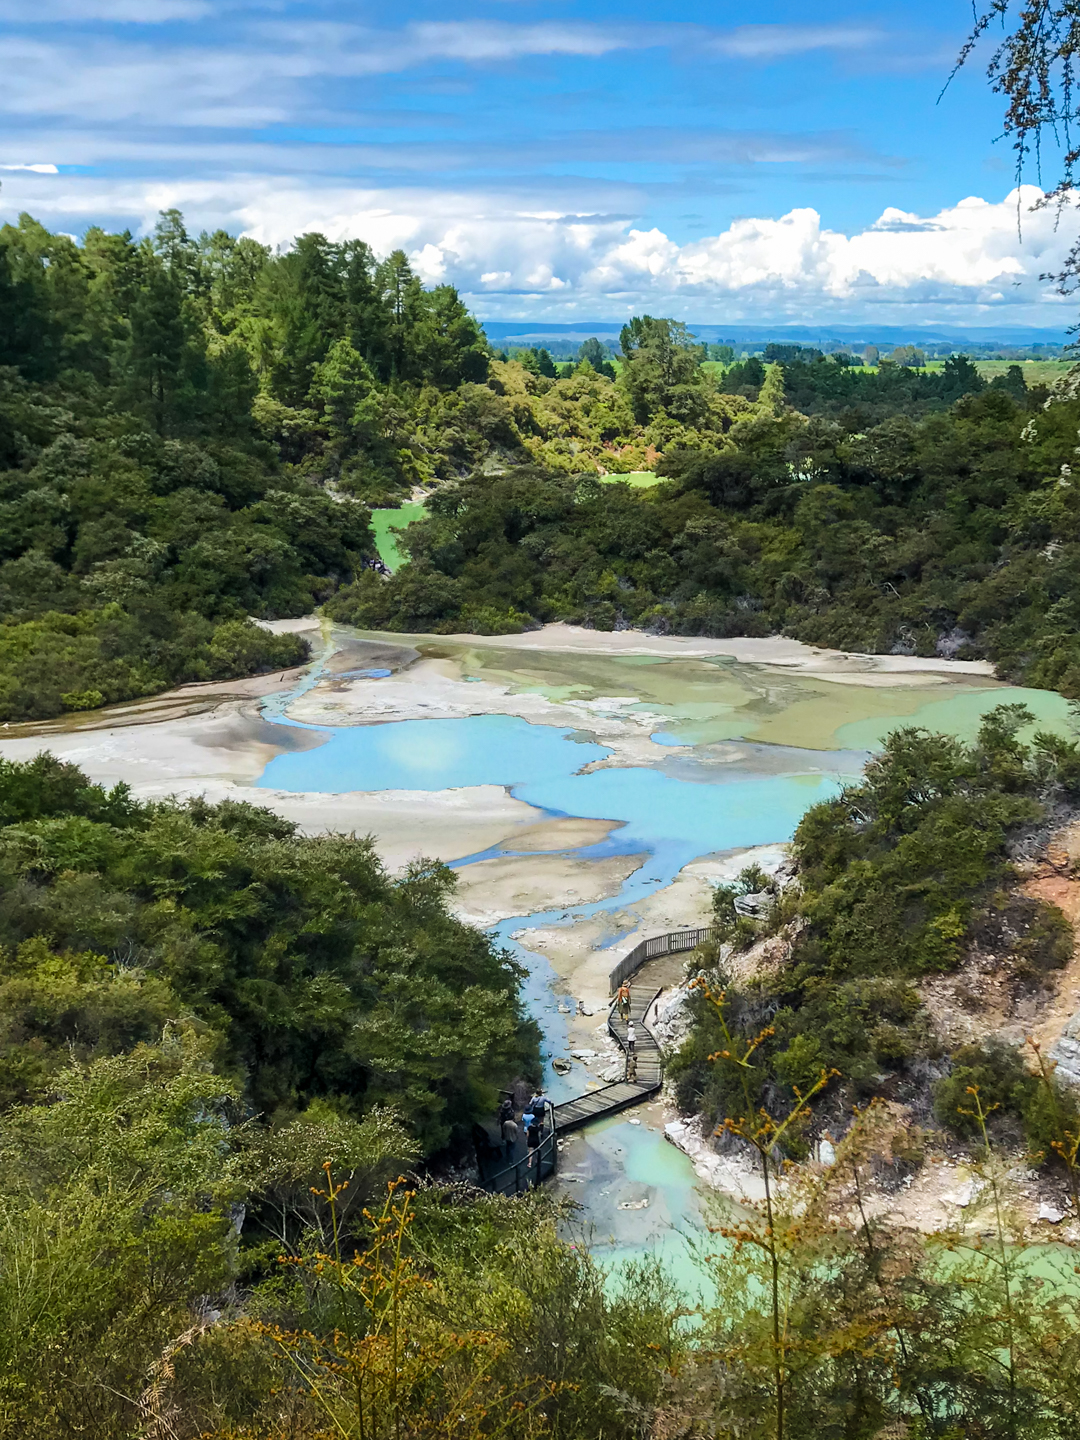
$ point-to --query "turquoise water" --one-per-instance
(961, 714)
(615, 1162)
(675, 820)
(432, 755)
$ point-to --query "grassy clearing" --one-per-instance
(1036, 372)
(639, 479)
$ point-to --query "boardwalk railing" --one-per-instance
(648, 1071)
(659, 945)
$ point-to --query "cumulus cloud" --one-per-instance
(511, 259)
(967, 257)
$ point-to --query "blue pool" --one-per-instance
(672, 818)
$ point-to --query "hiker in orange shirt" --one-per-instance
(622, 998)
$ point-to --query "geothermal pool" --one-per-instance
(714, 771)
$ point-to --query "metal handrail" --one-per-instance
(669, 944)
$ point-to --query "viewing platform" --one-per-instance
(511, 1174)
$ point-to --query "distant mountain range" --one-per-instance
(537, 332)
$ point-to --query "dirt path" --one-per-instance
(1063, 890)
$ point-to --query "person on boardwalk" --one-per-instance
(631, 1038)
(622, 996)
(631, 1069)
(506, 1110)
(533, 1135)
(510, 1135)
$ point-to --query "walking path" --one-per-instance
(594, 1104)
(519, 1174)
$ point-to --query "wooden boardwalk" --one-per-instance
(609, 1099)
(512, 1176)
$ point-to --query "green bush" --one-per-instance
(313, 973)
(898, 877)
(1005, 1087)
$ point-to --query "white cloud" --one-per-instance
(965, 261)
(261, 81)
(260, 77)
(967, 257)
(34, 169)
(770, 42)
(477, 41)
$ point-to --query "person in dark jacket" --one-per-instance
(533, 1135)
(509, 1132)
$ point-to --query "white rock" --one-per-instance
(827, 1152)
(672, 1021)
(755, 906)
(1051, 1214)
(1066, 1052)
(633, 1122)
(962, 1196)
(723, 1172)
(634, 1204)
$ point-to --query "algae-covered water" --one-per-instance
(386, 524)
(636, 479)
(702, 701)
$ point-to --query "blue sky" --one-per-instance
(571, 159)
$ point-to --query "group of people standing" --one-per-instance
(532, 1122)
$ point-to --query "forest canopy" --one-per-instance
(307, 974)
(185, 426)
(193, 431)
(955, 534)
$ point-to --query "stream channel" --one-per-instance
(711, 797)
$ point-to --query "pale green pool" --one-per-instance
(386, 523)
